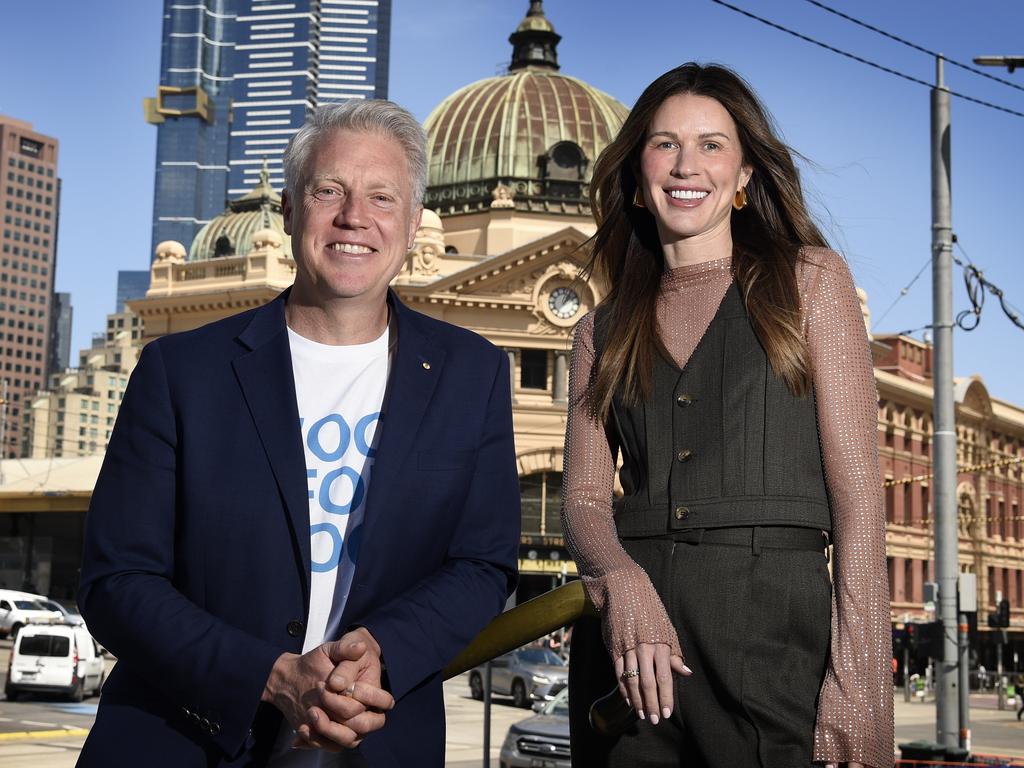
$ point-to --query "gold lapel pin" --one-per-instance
(426, 366)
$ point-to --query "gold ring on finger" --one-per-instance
(630, 673)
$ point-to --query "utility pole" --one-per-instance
(947, 702)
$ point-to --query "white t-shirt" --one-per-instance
(339, 390)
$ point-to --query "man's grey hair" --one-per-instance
(369, 115)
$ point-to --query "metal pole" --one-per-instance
(944, 437)
(964, 709)
(906, 673)
(487, 715)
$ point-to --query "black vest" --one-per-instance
(721, 443)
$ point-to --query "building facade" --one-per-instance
(237, 78)
(990, 485)
(29, 200)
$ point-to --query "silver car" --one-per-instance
(541, 741)
(526, 674)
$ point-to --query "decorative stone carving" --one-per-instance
(170, 251)
(502, 197)
(428, 246)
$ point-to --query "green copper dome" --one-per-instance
(534, 130)
(230, 234)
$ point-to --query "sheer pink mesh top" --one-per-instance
(855, 719)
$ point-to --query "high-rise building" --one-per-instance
(61, 314)
(29, 199)
(131, 284)
(237, 78)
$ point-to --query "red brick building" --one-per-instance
(29, 202)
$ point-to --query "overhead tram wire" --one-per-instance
(976, 285)
(921, 49)
(903, 292)
(862, 60)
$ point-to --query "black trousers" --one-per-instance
(754, 623)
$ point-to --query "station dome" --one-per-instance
(534, 131)
(231, 233)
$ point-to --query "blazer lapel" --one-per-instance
(415, 370)
(265, 376)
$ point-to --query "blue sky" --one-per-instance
(79, 71)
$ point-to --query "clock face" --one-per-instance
(563, 302)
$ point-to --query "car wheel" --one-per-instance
(476, 687)
(11, 693)
(78, 692)
(519, 697)
(14, 631)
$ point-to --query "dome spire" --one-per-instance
(534, 43)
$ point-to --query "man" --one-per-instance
(306, 510)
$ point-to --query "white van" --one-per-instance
(20, 608)
(54, 659)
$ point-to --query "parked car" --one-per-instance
(68, 616)
(541, 741)
(20, 608)
(54, 659)
(525, 674)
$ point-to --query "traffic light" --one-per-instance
(926, 639)
(930, 640)
(1001, 618)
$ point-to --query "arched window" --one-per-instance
(541, 498)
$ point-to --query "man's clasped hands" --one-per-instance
(332, 695)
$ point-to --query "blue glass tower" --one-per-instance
(192, 113)
(237, 78)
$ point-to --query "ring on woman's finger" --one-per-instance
(630, 673)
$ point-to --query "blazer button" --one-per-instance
(684, 400)
(682, 512)
(684, 455)
(204, 723)
(295, 628)
(214, 729)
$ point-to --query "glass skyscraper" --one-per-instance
(237, 79)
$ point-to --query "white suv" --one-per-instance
(20, 608)
(54, 659)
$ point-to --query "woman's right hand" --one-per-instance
(645, 679)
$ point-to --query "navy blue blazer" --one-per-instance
(196, 562)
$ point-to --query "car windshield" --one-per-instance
(29, 605)
(558, 705)
(44, 645)
(540, 656)
(50, 605)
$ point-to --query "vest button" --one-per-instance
(684, 400)
(682, 513)
(295, 628)
(684, 455)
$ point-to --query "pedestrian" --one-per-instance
(728, 368)
(1019, 685)
(308, 509)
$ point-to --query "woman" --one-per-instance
(729, 369)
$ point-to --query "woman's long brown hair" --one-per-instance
(767, 236)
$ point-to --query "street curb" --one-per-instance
(25, 735)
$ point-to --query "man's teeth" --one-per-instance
(349, 248)
(688, 194)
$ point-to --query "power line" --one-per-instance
(904, 291)
(916, 47)
(977, 285)
(862, 60)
